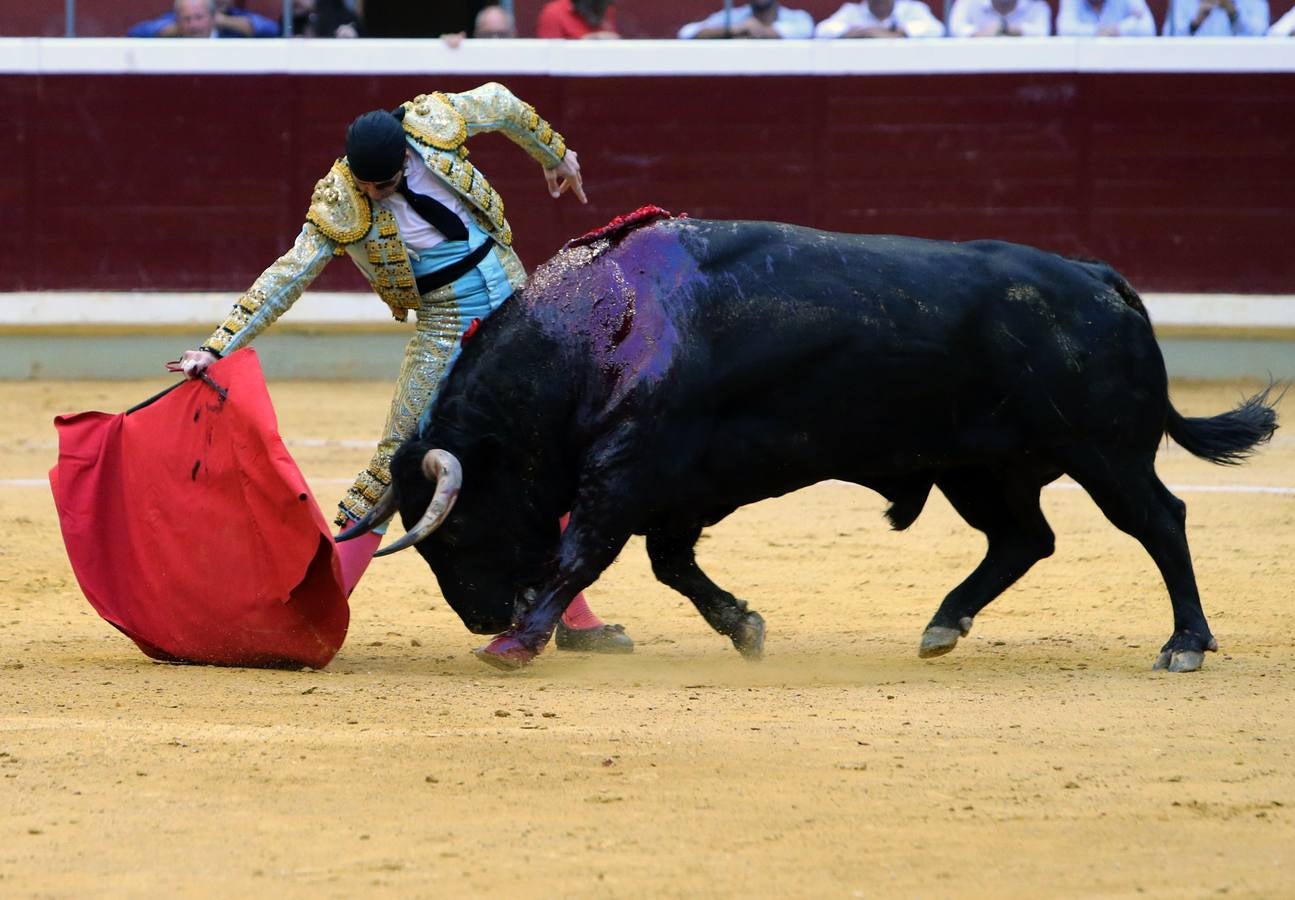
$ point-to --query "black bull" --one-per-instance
(654, 382)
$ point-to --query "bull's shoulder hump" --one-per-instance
(720, 243)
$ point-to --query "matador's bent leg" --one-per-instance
(426, 357)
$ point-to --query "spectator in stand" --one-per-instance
(881, 19)
(758, 19)
(577, 20)
(494, 22)
(1105, 18)
(1217, 18)
(195, 19)
(324, 19)
(1000, 18)
(1285, 26)
(205, 18)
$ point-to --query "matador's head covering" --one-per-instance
(375, 145)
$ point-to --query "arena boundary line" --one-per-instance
(1277, 490)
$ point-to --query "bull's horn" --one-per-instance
(439, 466)
(384, 509)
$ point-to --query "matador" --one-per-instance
(428, 232)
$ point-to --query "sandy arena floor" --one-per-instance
(1042, 758)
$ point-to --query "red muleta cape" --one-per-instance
(191, 529)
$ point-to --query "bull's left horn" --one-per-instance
(441, 467)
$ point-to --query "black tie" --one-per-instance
(434, 213)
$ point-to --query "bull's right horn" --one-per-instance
(441, 467)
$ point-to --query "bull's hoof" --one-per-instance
(1179, 655)
(938, 640)
(748, 636)
(1182, 661)
(505, 652)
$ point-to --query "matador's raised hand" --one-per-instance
(566, 175)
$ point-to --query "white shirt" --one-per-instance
(1077, 18)
(414, 230)
(1285, 26)
(1251, 20)
(1032, 18)
(912, 17)
(793, 24)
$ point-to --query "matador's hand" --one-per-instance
(193, 363)
(566, 175)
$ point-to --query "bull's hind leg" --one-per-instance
(675, 565)
(1124, 485)
(1006, 508)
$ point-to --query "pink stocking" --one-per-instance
(356, 554)
(578, 614)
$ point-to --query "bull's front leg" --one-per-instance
(581, 559)
(538, 612)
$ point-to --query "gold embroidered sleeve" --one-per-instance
(492, 107)
(274, 292)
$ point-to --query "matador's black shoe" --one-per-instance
(600, 639)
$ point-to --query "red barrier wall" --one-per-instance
(196, 182)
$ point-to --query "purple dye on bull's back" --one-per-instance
(612, 304)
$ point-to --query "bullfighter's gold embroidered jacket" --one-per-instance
(342, 220)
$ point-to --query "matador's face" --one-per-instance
(380, 190)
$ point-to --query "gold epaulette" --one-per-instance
(337, 208)
(431, 119)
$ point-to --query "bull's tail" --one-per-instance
(1228, 438)
(1231, 437)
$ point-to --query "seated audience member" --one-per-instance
(577, 20)
(881, 19)
(1105, 18)
(1217, 18)
(494, 22)
(205, 18)
(757, 19)
(1285, 26)
(1000, 18)
(323, 19)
